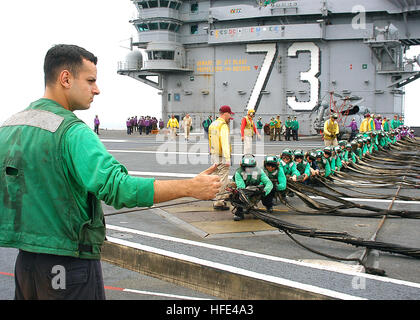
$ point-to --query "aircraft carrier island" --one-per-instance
(299, 58)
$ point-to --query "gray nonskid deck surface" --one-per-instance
(355, 284)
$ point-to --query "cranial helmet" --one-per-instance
(287, 152)
(298, 153)
(271, 160)
(248, 160)
(328, 150)
(311, 155)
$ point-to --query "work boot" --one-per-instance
(269, 209)
(220, 205)
(238, 216)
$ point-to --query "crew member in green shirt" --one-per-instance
(295, 128)
(277, 178)
(57, 172)
(248, 174)
(394, 122)
(288, 126)
(259, 125)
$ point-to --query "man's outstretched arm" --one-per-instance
(204, 186)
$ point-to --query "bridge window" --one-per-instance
(153, 26)
(163, 25)
(160, 55)
(143, 4)
(153, 4)
(194, 29)
(142, 27)
(194, 7)
(174, 5)
(164, 3)
(147, 4)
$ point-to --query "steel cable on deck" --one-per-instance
(362, 193)
(294, 187)
(343, 237)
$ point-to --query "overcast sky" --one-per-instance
(29, 28)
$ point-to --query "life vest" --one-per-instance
(249, 127)
(38, 211)
(215, 139)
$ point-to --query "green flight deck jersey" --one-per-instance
(54, 171)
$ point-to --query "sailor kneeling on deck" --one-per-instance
(248, 174)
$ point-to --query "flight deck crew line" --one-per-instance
(55, 171)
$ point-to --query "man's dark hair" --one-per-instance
(65, 56)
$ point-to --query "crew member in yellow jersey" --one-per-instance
(172, 125)
(277, 129)
(220, 153)
(367, 124)
(331, 131)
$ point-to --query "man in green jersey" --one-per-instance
(54, 173)
(248, 174)
(278, 179)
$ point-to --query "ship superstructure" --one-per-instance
(301, 58)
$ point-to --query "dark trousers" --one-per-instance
(288, 132)
(267, 200)
(41, 276)
(295, 135)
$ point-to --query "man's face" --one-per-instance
(298, 159)
(83, 87)
(270, 167)
(226, 116)
(286, 159)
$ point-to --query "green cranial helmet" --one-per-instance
(311, 155)
(328, 150)
(248, 160)
(342, 142)
(287, 152)
(271, 160)
(319, 154)
(299, 153)
(348, 146)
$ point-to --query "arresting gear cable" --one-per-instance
(248, 198)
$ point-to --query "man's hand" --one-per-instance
(205, 186)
